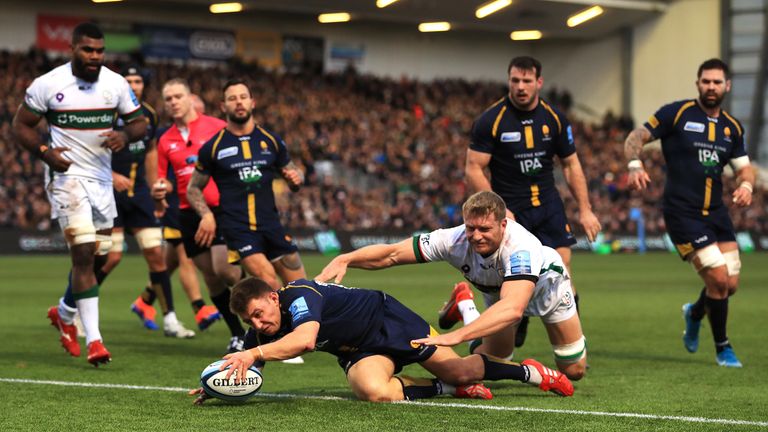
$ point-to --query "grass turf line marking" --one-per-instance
(418, 403)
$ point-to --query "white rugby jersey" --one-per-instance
(520, 256)
(78, 112)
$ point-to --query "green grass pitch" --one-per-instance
(640, 373)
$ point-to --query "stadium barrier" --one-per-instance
(13, 241)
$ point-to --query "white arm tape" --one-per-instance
(739, 163)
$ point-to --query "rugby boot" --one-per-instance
(67, 332)
(206, 316)
(145, 312)
(97, 353)
(177, 330)
(449, 314)
(551, 380)
(691, 333)
(727, 358)
(473, 391)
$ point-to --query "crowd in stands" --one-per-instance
(406, 138)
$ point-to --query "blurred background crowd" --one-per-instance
(378, 152)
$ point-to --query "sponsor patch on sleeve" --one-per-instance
(298, 309)
(520, 262)
(569, 130)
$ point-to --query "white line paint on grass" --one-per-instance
(419, 403)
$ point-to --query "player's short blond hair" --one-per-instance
(484, 203)
(178, 81)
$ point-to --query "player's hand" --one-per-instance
(160, 208)
(240, 362)
(55, 160)
(448, 339)
(510, 215)
(335, 269)
(202, 396)
(589, 222)
(293, 177)
(114, 140)
(638, 179)
(120, 182)
(742, 196)
(160, 189)
(206, 231)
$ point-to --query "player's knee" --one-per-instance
(291, 262)
(103, 244)
(118, 240)
(574, 372)
(79, 230)
(149, 238)
(375, 392)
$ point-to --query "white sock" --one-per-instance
(66, 313)
(446, 388)
(89, 314)
(534, 377)
(468, 311)
(170, 319)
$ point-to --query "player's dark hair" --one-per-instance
(86, 29)
(484, 203)
(233, 82)
(715, 63)
(245, 291)
(525, 63)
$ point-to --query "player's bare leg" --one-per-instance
(500, 344)
(372, 379)
(568, 343)
(219, 292)
(290, 267)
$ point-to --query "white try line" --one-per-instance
(418, 403)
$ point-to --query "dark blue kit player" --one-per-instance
(698, 138)
(371, 334)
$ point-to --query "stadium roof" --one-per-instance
(549, 16)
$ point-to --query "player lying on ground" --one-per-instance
(370, 333)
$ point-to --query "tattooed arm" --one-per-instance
(633, 146)
(206, 231)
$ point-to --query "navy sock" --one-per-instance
(718, 317)
(233, 322)
(500, 369)
(161, 285)
(148, 295)
(69, 300)
(699, 309)
(198, 304)
(419, 388)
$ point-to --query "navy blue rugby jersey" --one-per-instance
(130, 160)
(243, 168)
(522, 145)
(696, 147)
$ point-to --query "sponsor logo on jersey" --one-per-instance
(694, 127)
(249, 174)
(520, 262)
(59, 97)
(569, 131)
(245, 248)
(137, 147)
(227, 152)
(191, 159)
(530, 167)
(108, 97)
(701, 239)
(709, 158)
(134, 99)
(298, 309)
(86, 119)
(264, 147)
(511, 137)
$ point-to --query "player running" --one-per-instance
(517, 275)
(308, 315)
(80, 101)
(698, 138)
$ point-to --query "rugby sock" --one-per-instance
(718, 317)
(198, 304)
(66, 312)
(500, 369)
(699, 309)
(468, 311)
(68, 299)
(233, 322)
(161, 285)
(420, 388)
(88, 306)
(148, 295)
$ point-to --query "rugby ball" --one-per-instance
(216, 384)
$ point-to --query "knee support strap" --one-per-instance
(103, 244)
(732, 262)
(572, 352)
(708, 257)
(149, 238)
(79, 230)
(118, 238)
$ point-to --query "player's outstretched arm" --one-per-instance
(26, 136)
(372, 257)
(505, 312)
(577, 183)
(633, 146)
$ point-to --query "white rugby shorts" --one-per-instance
(77, 196)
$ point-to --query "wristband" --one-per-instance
(635, 164)
(261, 353)
(746, 185)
